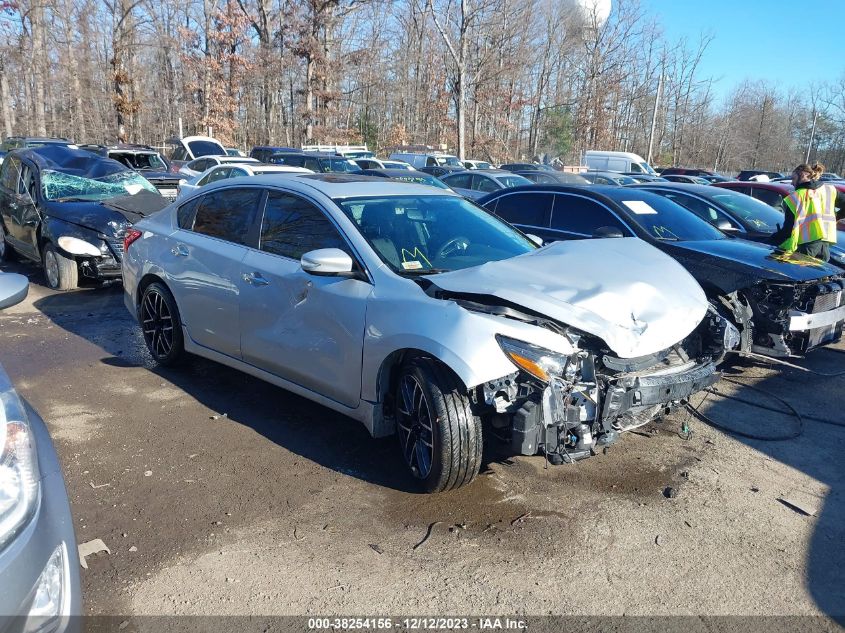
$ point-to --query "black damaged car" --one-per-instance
(68, 210)
(782, 305)
(157, 169)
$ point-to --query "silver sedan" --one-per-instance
(418, 313)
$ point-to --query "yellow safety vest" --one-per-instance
(815, 216)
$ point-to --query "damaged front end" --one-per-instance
(566, 407)
(790, 319)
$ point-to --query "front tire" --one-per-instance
(60, 272)
(439, 436)
(161, 325)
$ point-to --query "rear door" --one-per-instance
(205, 264)
(27, 210)
(11, 204)
(307, 329)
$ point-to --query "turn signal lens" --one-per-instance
(540, 363)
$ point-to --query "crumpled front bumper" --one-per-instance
(631, 402)
(791, 320)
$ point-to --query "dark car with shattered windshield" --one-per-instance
(68, 210)
(782, 304)
(145, 160)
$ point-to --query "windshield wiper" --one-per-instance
(423, 271)
(72, 199)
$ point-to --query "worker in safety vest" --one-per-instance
(810, 214)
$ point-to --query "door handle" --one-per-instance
(255, 279)
(180, 250)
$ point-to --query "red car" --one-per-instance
(772, 193)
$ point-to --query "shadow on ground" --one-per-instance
(818, 451)
(299, 425)
(341, 444)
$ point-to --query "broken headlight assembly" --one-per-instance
(542, 364)
(19, 475)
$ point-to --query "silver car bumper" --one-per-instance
(48, 541)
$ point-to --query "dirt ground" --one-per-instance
(219, 494)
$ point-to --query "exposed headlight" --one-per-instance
(76, 246)
(541, 363)
(19, 476)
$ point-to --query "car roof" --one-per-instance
(678, 186)
(71, 160)
(771, 186)
(391, 172)
(299, 152)
(337, 185)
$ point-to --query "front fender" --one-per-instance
(54, 228)
(464, 341)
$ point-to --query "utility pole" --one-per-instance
(812, 136)
(654, 118)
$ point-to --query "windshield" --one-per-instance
(665, 220)
(148, 161)
(426, 234)
(452, 161)
(206, 148)
(340, 164)
(647, 168)
(61, 187)
(422, 180)
(754, 214)
(513, 181)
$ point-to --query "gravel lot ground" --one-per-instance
(218, 494)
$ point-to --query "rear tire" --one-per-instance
(439, 436)
(60, 272)
(161, 325)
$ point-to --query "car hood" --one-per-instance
(160, 175)
(96, 215)
(732, 264)
(635, 298)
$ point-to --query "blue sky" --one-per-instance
(788, 43)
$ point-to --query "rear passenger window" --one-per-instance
(529, 209)
(575, 214)
(227, 214)
(462, 181)
(313, 164)
(185, 214)
(292, 226)
(480, 183)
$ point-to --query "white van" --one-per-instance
(623, 162)
(427, 159)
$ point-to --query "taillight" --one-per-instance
(130, 236)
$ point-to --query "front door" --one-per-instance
(307, 329)
(204, 260)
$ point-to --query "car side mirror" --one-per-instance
(326, 261)
(537, 240)
(607, 231)
(724, 225)
(13, 289)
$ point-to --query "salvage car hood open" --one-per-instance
(635, 298)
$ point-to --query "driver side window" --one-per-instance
(292, 226)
